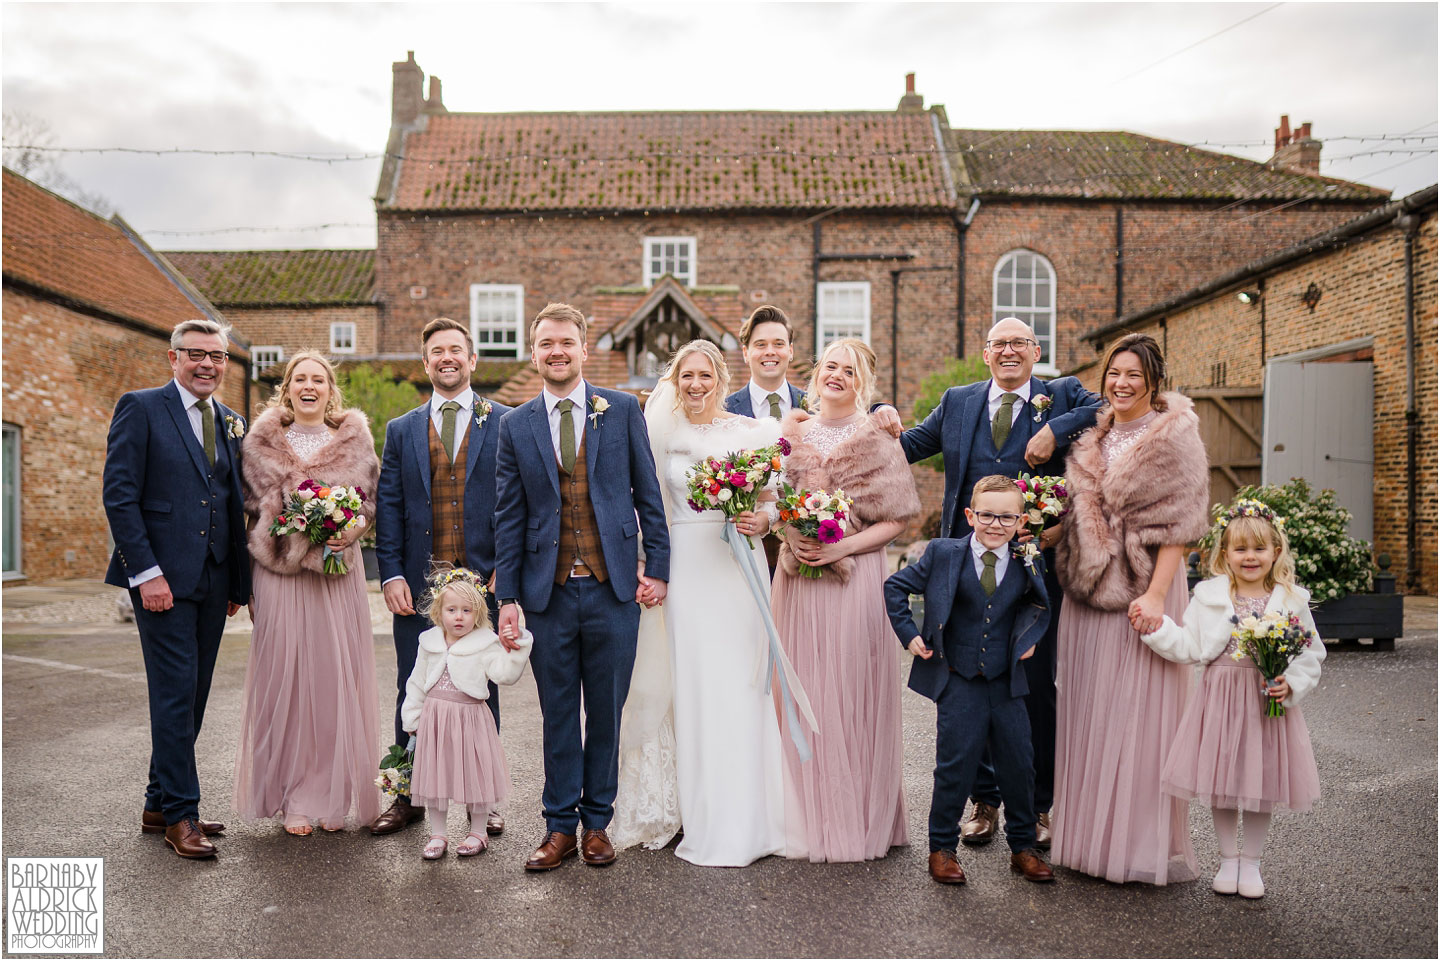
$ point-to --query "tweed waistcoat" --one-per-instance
(447, 499)
(977, 634)
(579, 535)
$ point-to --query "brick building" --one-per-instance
(1319, 360)
(88, 310)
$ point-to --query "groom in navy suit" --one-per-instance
(576, 496)
(172, 496)
(1012, 423)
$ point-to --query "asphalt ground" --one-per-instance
(1355, 877)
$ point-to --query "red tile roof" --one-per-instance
(274, 278)
(631, 161)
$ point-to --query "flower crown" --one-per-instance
(444, 578)
(1247, 507)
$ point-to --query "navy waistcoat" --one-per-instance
(977, 634)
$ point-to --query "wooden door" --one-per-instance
(1230, 426)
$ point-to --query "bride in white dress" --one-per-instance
(708, 756)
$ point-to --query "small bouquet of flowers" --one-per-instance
(395, 768)
(1045, 497)
(320, 512)
(733, 483)
(1272, 640)
(818, 514)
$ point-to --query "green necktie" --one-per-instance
(774, 400)
(567, 435)
(987, 579)
(1004, 417)
(207, 429)
(447, 426)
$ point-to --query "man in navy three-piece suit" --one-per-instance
(434, 507)
(576, 496)
(173, 499)
(1012, 423)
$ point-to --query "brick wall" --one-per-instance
(305, 328)
(63, 373)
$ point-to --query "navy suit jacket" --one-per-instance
(403, 512)
(950, 430)
(937, 576)
(155, 493)
(739, 402)
(624, 493)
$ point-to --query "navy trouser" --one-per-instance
(180, 646)
(971, 715)
(584, 647)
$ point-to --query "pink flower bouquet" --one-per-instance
(321, 512)
(818, 514)
(732, 484)
(1045, 497)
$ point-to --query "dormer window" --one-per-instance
(670, 255)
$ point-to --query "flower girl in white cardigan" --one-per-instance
(457, 749)
(1227, 752)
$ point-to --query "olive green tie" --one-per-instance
(207, 429)
(447, 427)
(1000, 427)
(987, 579)
(774, 400)
(567, 435)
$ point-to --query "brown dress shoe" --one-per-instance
(1042, 831)
(1030, 864)
(595, 848)
(980, 829)
(187, 841)
(153, 822)
(400, 815)
(494, 824)
(556, 847)
(945, 869)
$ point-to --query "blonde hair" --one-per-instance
(864, 359)
(717, 363)
(334, 405)
(1255, 530)
(466, 590)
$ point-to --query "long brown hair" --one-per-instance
(334, 406)
(1152, 364)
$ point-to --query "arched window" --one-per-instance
(1025, 288)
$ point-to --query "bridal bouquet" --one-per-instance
(321, 512)
(1272, 641)
(732, 484)
(818, 514)
(395, 768)
(1044, 497)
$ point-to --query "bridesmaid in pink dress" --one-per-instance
(1139, 484)
(309, 728)
(846, 803)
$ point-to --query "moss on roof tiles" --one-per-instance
(280, 277)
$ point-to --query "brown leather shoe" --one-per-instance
(494, 824)
(1042, 831)
(595, 848)
(400, 815)
(153, 822)
(945, 869)
(186, 840)
(980, 829)
(1030, 864)
(556, 847)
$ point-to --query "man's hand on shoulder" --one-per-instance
(887, 419)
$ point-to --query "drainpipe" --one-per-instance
(1260, 286)
(814, 288)
(1411, 224)
(1119, 262)
(962, 226)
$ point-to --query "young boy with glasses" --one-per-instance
(985, 609)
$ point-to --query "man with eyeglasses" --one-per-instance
(172, 496)
(1012, 423)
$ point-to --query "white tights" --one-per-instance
(435, 813)
(1227, 832)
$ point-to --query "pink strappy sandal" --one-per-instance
(472, 845)
(435, 847)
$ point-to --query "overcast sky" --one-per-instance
(316, 78)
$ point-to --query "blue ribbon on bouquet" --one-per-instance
(777, 666)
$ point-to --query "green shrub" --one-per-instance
(957, 372)
(377, 393)
(1329, 562)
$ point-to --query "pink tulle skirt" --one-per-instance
(458, 756)
(1229, 754)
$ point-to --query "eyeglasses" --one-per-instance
(986, 518)
(1017, 345)
(197, 355)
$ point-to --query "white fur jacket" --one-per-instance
(475, 659)
(272, 469)
(1207, 628)
(1155, 493)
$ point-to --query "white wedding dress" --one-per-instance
(710, 755)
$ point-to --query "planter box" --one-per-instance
(372, 563)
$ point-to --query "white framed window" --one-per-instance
(10, 455)
(670, 255)
(342, 337)
(1025, 288)
(497, 319)
(842, 310)
(263, 358)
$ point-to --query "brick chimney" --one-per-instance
(1297, 152)
(407, 96)
(433, 103)
(912, 102)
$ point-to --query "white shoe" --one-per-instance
(1250, 884)
(1228, 877)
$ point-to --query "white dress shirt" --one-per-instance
(997, 393)
(188, 401)
(1002, 558)
(577, 414)
(466, 400)
(760, 399)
